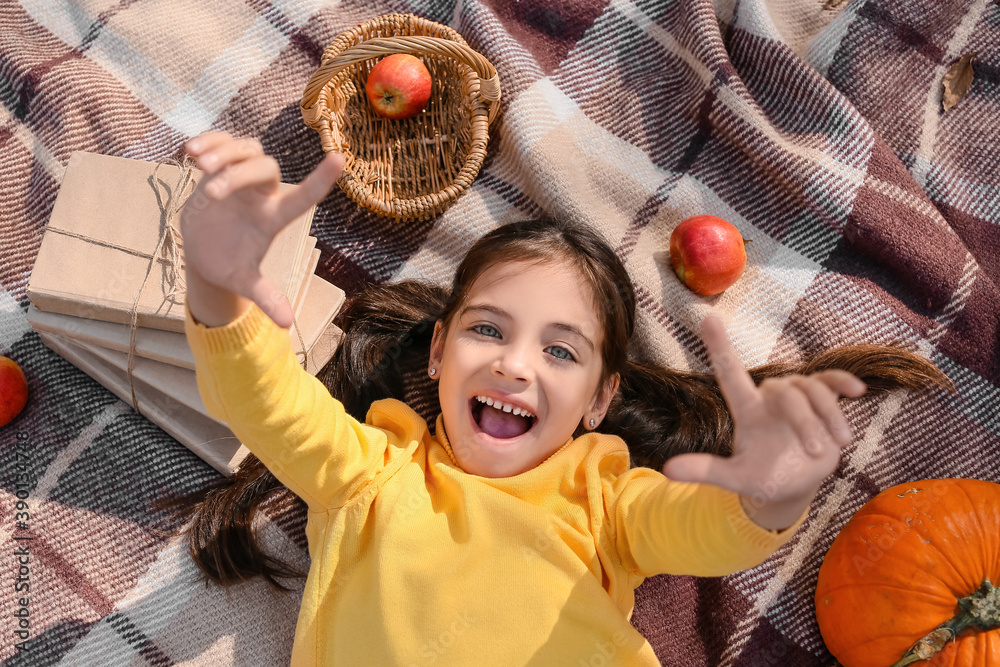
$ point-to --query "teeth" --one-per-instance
(506, 407)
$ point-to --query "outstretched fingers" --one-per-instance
(737, 386)
(787, 402)
(695, 468)
(272, 302)
(313, 187)
(261, 172)
(232, 164)
(699, 469)
(205, 142)
(822, 391)
(214, 151)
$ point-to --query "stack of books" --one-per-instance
(95, 274)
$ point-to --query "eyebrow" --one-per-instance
(500, 312)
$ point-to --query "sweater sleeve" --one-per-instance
(249, 378)
(667, 527)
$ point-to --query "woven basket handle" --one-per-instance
(489, 81)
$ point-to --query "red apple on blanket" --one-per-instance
(398, 86)
(13, 390)
(707, 254)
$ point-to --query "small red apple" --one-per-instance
(398, 86)
(707, 254)
(13, 390)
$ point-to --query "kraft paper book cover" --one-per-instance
(320, 303)
(166, 393)
(212, 441)
(106, 222)
(310, 270)
(181, 384)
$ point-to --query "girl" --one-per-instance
(515, 532)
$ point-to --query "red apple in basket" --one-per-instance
(13, 390)
(707, 254)
(398, 86)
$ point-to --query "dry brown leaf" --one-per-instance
(957, 81)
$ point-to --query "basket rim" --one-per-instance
(483, 94)
(353, 51)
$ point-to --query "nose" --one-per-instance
(513, 363)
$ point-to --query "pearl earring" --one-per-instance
(592, 423)
(432, 372)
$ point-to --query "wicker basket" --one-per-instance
(410, 169)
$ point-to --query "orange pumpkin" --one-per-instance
(903, 571)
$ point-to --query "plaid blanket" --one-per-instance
(814, 126)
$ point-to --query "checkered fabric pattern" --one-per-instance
(814, 126)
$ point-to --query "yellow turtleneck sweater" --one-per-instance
(415, 562)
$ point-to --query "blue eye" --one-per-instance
(560, 353)
(486, 330)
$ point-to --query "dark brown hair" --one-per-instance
(658, 412)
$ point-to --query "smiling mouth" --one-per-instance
(499, 420)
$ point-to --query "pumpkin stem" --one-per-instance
(981, 609)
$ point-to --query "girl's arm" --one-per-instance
(789, 433)
(231, 219)
(247, 373)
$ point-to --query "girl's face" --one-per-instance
(519, 367)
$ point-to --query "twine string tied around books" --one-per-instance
(168, 250)
(169, 244)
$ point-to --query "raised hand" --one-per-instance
(232, 217)
(789, 433)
